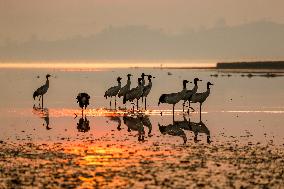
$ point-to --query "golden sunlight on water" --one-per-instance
(104, 156)
(105, 112)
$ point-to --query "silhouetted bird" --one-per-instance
(126, 87)
(147, 89)
(201, 97)
(188, 93)
(134, 93)
(42, 90)
(172, 98)
(113, 91)
(83, 100)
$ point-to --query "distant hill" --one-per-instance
(260, 39)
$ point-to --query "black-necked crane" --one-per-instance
(113, 91)
(84, 100)
(201, 97)
(143, 79)
(172, 98)
(134, 93)
(126, 87)
(147, 89)
(42, 90)
(188, 93)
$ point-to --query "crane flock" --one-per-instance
(141, 91)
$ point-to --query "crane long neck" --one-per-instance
(195, 88)
(184, 85)
(47, 82)
(128, 82)
(208, 87)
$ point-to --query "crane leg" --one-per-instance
(173, 112)
(145, 103)
(183, 106)
(82, 112)
(110, 104)
(200, 110)
(42, 101)
(137, 104)
(115, 102)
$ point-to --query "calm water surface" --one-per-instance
(238, 109)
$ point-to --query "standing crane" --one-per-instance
(126, 87)
(83, 100)
(189, 93)
(147, 89)
(172, 98)
(201, 97)
(113, 91)
(42, 90)
(134, 93)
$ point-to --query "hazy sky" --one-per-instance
(59, 19)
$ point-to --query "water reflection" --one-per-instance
(83, 125)
(177, 128)
(173, 130)
(42, 113)
(147, 123)
(135, 123)
(117, 120)
(195, 127)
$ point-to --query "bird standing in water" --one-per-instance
(126, 87)
(147, 89)
(113, 91)
(42, 90)
(188, 93)
(200, 97)
(83, 100)
(134, 93)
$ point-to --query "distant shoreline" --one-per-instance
(251, 65)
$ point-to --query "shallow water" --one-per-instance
(237, 143)
(235, 107)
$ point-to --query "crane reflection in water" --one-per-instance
(42, 113)
(178, 128)
(83, 125)
(133, 123)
